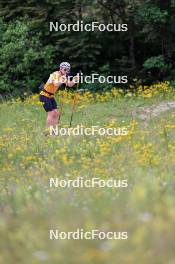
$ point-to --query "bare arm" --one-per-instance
(65, 80)
(74, 81)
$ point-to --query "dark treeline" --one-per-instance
(30, 51)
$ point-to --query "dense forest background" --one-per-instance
(30, 52)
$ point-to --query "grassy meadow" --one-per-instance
(29, 208)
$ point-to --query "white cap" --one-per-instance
(65, 65)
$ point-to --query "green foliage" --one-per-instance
(24, 61)
(29, 51)
(155, 62)
(153, 14)
(173, 83)
(82, 49)
(172, 3)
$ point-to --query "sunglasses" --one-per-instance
(65, 69)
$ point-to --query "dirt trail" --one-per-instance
(145, 113)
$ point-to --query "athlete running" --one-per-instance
(55, 80)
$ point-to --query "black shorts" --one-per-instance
(49, 104)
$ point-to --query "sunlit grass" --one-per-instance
(145, 157)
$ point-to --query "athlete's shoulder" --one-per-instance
(55, 74)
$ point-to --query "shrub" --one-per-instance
(24, 59)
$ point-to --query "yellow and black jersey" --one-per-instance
(53, 84)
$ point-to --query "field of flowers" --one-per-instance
(29, 208)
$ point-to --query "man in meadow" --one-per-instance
(47, 95)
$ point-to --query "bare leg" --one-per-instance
(52, 120)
